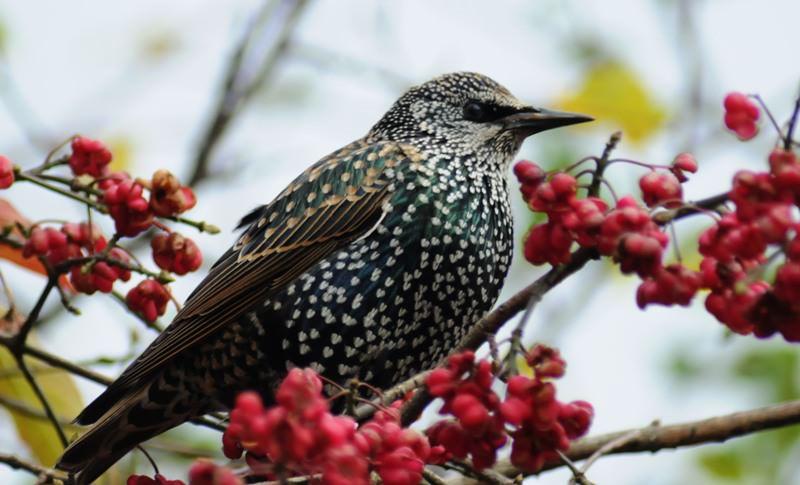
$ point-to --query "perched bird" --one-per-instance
(373, 263)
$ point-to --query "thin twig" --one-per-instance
(769, 114)
(787, 142)
(431, 477)
(602, 162)
(18, 340)
(32, 468)
(577, 475)
(611, 446)
(48, 410)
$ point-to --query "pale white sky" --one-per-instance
(79, 67)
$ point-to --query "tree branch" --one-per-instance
(656, 437)
(37, 470)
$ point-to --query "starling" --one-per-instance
(371, 264)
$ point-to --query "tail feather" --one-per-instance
(133, 419)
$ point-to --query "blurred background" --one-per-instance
(304, 78)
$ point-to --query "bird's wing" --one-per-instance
(331, 204)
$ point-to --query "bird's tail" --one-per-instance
(135, 418)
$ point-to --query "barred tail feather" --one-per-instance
(134, 419)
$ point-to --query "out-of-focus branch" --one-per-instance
(325, 58)
(45, 475)
(254, 59)
(21, 112)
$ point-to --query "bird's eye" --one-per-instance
(475, 111)
(480, 112)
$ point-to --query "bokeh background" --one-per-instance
(148, 77)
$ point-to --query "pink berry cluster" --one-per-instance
(132, 211)
(148, 299)
(202, 472)
(538, 424)
(761, 232)
(74, 241)
(89, 157)
(627, 233)
(97, 266)
(300, 436)
(175, 253)
(741, 115)
(735, 252)
(478, 430)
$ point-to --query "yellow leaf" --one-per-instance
(613, 93)
(122, 148)
(61, 392)
(523, 368)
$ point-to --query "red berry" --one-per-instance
(545, 361)
(548, 243)
(661, 189)
(176, 253)
(157, 480)
(89, 157)
(148, 299)
(672, 285)
(685, 162)
(127, 207)
(167, 196)
(576, 417)
(528, 173)
(741, 115)
(6, 172)
(204, 472)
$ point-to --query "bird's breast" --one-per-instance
(396, 301)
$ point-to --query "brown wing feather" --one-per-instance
(267, 256)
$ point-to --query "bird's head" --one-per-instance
(468, 113)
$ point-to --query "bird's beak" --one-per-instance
(529, 121)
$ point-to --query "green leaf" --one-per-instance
(725, 464)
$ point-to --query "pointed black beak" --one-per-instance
(534, 120)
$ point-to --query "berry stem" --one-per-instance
(48, 410)
(201, 226)
(602, 163)
(787, 141)
(772, 120)
(651, 166)
(48, 160)
(34, 179)
(578, 164)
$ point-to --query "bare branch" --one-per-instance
(654, 437)
(37, 389)
(46, 475)
(253, 61)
